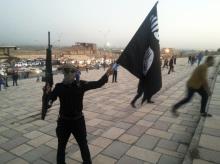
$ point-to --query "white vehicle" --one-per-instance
(24, 64)
(18, 64)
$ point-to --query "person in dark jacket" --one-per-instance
(71, 119)
(140, 92)
(15, 78)
(171, 64)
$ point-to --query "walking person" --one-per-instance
(115, 73)
(140, 92)
(171, 65)
(174, 59)
(71, 118)
(15, 78)
(165, 63)
(189, 59)
(199, 57)
(2, 83)
(198, 82)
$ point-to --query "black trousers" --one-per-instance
(78, 128)
(171, 69)
(114, 77)
(15, 82)
(190, 92)
(139, 94)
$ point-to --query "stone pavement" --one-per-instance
(117, 133)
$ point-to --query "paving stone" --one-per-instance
(40, 140)
(156, 112)
(169, 152)
(94, 150)
(116, 149)
(129, 160)
(143, 154)
(182, 138)
(167, 144)
(147, 142)
(11, 133)
(13, 143)
(145, 123)
(130, 139)
(2, 151)
(50, 157)
(209, 155)
(161, 125)
(40, 161)
(178, 127)
(123, 125)
(17, 161)
(213, 123)
(199, 161)
(210, 142)
(70, 161)
(189, 123)
(131, 119)
(170, 120)
(165, 159)
(94, 122)
(182, 148)
(21, 149)
(101, 159)
(5, 157)
(159, 133)
(151, 117)
(3, 140)
(137, 130)
(101, 142)
(212, 132)
(35, 154)
(113, 133)
(146, 108)
(98, 132)
(3, 128)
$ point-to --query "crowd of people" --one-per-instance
(4, 79)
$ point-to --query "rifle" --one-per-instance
(48, 80)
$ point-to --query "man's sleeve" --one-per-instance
(95, 84)
(55, 93)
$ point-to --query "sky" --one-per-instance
(183, 24)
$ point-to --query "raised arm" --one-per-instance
(99, 83)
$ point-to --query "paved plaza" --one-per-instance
(117, 133)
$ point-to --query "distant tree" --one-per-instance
(206, 52)
(218, 50)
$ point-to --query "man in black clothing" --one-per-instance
(171, 62)
(140, 92)
(71, 119)
(15, 78)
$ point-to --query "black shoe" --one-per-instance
(206, 114)
(150, 102)
(132, 104)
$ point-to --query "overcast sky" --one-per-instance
(191, 24)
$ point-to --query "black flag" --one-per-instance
(141, 57)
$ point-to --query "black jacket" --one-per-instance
(71, 96)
